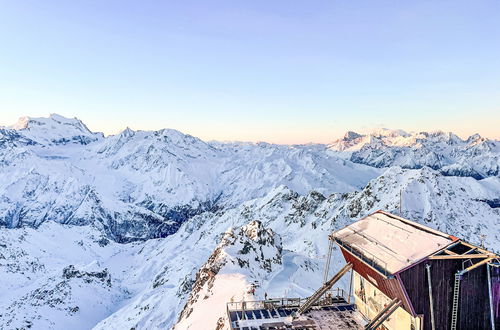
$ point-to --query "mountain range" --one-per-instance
(159, 229)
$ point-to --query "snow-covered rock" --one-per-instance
(57, 277)
(242, 260)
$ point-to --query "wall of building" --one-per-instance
(474, 298)
(370, 301)
(389, 286)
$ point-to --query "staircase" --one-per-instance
(321, 291)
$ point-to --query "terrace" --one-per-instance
(332, 312)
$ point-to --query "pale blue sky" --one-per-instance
(279, 71)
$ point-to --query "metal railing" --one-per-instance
(329, 298)
(272, 303)
(367, 257)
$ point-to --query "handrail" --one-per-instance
(373, 261)
(278, 302)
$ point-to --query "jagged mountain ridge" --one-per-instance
(143, 184)
(475, 157)
(138, 185)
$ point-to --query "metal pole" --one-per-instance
(491, 298)
(431, 302)
(329, 257)
(350, 288)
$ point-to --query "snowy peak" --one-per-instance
(474, 138)
(164, 140)
(353, 141)
(232, 273)
(385, 132)
(350, 135)
(349, 140)
(55, 130)
(127, 132)
(54, 121)
(249, 246)
(442, 137)
(391, 138)
(22, 123)
(257, 233)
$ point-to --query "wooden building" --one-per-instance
(420, 278)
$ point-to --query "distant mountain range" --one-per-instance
(476, 156)
(138, 230)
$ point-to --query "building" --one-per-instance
(403, 276)
(437, 280)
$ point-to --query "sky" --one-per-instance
(281, 71)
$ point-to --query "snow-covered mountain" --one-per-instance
(234, 271)
(55, 130)
(151, 230)
(476, 156)
(141, 185)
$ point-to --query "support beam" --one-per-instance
(460, 256)
(321, 291)
(470, 251)
(482, 262)
(474, 247)
(383, 315)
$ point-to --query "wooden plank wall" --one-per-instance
(474, 299)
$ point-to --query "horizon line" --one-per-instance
(364, 132)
